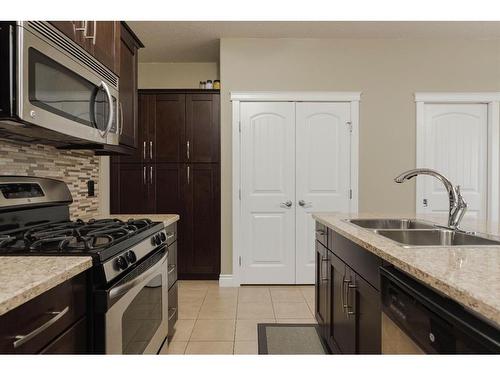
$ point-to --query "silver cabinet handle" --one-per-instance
(170, 235)
(23, 339)
(144, 150)
(343, 295)
(144, 175)
(93, 37)
(320, 232)
(83, 28)
(151, 174)
(188, 174)
(172, 314)
(187, 150)
(121, 118)
(286, 204)
(350, 309)
(303, 203)
(151, 150)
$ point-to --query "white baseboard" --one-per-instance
(226, 280)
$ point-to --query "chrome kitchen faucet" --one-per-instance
(458, 206)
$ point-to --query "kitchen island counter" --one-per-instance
(468, 275)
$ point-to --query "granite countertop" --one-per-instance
(25, 277)
(469, 275)
(166, 218)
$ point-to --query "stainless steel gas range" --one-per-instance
(130, 275)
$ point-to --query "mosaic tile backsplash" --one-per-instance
(73, 167)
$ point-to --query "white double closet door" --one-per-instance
(295, 160)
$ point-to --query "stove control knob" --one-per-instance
(131, 257)
(163, 236)
(121, 263)
(158, 239)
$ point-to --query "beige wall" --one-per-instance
(176, 75)
(388, 72)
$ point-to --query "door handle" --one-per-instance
(144, 175)
(151, 175)
(303, 203)
(188, 174)
(151, 150)
(286, 204)
(187, 150)
(144, 150)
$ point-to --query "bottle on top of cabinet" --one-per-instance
(216, 84)
(202, 84)
(209, 85)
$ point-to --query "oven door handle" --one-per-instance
(124, 288)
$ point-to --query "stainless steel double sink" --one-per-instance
(414, 233)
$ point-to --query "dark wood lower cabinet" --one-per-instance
(347, 305)
(53, 322)
(200, 253)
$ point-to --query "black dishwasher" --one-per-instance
(435, 323)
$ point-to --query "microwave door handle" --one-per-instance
(111, 114)
(124, 288)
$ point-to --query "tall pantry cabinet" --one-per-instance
(176, 169)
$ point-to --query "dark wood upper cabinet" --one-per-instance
(104, 43)
(169, 130)
(202, 128)
(100, 38)
(128, 107)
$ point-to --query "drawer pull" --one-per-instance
(170, 235)
(23, 339)
(171, 268)
(172, 314)
(320, 232)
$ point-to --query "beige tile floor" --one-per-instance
(214, 320)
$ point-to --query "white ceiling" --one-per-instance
(181, 41)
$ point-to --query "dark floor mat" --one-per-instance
(276, 338)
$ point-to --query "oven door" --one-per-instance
(59, 93)
(137, 320)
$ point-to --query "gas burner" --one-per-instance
(73, 236)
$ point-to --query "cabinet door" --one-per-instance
(200, 253)
(128, 89)
(322, 303)
(146, 114)
(169, 128)
(342, 324)
(170, 183)
(103, 42)
(134, 188)
(366, 308)
(202, 128)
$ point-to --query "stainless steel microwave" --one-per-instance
(52, 89)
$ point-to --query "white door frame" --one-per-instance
(492, 99)
(283, 96)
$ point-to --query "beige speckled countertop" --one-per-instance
(469, 275)
(166, 218)
(25, 277)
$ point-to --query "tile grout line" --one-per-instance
(196, 320)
